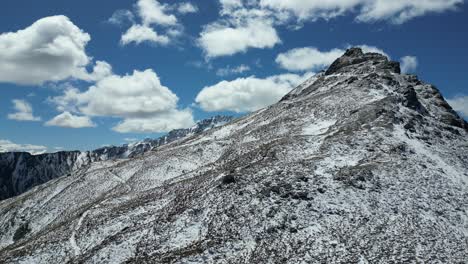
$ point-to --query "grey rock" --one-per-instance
(355, 56)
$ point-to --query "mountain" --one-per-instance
(20, 171)
(361, 164)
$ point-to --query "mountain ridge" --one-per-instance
(20, 171)
(363, 165)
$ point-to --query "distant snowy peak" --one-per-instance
(138, 148)
(20, 171)
(201, 126)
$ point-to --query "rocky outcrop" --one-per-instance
(354, 57)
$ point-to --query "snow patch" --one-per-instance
(318, 127)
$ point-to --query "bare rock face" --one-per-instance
(354, 58)
(358, 165)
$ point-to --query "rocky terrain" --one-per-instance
(20, 171)
(361, 164)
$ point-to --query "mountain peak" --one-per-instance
(354, 52)
(354, 58)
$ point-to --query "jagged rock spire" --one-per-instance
(356, 57)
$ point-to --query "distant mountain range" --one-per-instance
(20, 171)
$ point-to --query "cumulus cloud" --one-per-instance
(246, 24)
(24, 111)
(121, 17)
(101, 69)
(242, 25)
(312, 59)
(228, 70)
(139, 98)
(409, 64)
(396, 12)
(311, 9)
(140, 33)
(157, 24)
(163, 122)
(51, 49)
(399, 12)
(460, 104)
(135, 95)
(308, 58)
(153, 12)
(69, 120)
(186, 8)
(224, 40)
(371, 49)
(8, 146)
(248, 94)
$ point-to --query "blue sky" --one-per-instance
(82, 74)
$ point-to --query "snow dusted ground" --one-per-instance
(360, 165)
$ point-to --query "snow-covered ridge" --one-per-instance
(362, 165)
(21, 171)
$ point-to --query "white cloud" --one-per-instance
(398, 11)
(139, 34)
(371, 49)
(460, 104)
(246, 24)
(311, 9)
(312, 59)
(121, 17)
(24, 111)
(221, 40)
(247, 94)
(153, 12)
(409, 64)
(140, 99)
(51, 49)
(136, 95)
(307, 59)
(186, 8)
(101, 69)
(231, 5)
(69, 120)
(164, 122)
(241, 26)
(236, 70)
(157, 24)
(8, 146)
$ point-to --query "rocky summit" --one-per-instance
(360, 164)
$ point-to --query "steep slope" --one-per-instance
(20, 171)
(361, 165)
